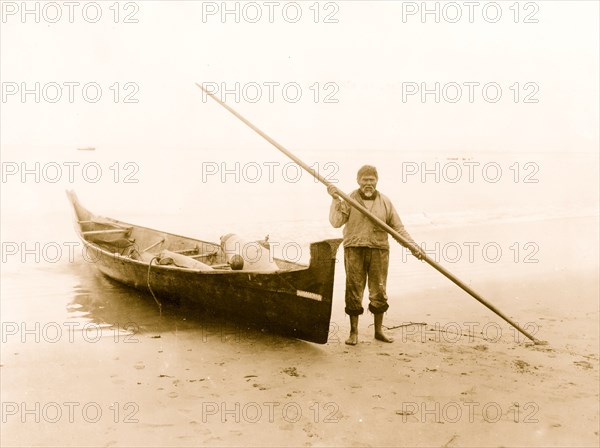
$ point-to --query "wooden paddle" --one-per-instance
(399, 238)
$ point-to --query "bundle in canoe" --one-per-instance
(293, 299)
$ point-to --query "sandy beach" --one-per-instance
(456, 374)
(482, 121)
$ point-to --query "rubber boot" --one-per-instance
(353, 339)
(379, 335)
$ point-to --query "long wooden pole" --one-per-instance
(399, 238)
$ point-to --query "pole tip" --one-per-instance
(539, 342)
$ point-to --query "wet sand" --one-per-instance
(455, 376)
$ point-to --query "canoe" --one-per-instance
(294, 300)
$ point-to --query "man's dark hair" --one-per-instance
(367, 170)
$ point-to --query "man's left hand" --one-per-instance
(417, 252)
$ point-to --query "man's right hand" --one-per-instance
(333, 191)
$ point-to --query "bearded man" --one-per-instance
(366, 249)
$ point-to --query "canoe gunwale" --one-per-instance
(172, 267)
(118, 256)
(76, 204)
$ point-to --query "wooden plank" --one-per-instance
(104, 222)
(188, 251)
(185, 251)
(107, 231)
(154, 245)
(206, 254)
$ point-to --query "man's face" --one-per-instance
(368, 185)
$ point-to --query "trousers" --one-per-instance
(366, 264)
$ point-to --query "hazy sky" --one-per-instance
(371, 58)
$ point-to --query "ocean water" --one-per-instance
(443, 199)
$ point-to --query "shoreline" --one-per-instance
(173, 381)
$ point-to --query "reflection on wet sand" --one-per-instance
(104, 301)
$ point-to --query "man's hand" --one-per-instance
(417, 252)
(341, 205)
(333, 191)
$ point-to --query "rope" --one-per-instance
(150, 288)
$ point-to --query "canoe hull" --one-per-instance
(295, 301)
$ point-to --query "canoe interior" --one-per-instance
(128, 240)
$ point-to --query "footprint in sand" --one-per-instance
(291, 371)
(584, 364)
(308, 429)
(521, 365)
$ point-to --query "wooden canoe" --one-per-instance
(295, 300)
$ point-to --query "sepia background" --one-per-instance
(484, 130)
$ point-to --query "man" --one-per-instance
(366, 249)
